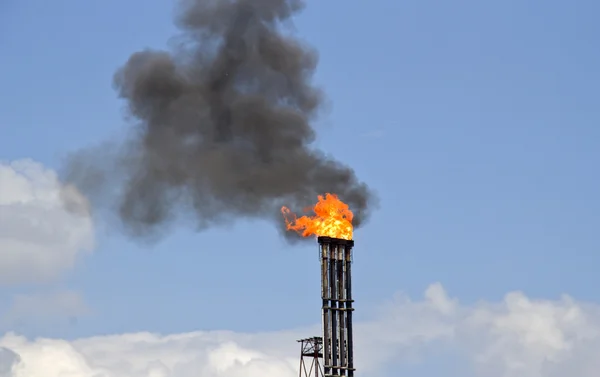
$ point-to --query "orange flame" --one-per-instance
(332, 218)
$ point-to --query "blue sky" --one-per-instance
(475, 122)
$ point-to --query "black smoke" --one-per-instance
(222, 125)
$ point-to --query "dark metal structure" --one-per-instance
(311, 348)
(336, 292)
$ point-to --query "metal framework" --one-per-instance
(311, 348)
(336, 293)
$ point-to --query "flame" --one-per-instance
(332, 218)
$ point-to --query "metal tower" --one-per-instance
(311, 348)
(336, 292)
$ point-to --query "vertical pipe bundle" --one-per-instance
(336, 293)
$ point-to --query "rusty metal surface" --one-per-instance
(336, 294)
(311, 351)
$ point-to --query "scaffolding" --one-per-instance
(311, 351)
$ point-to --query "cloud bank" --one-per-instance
(516, 337)
(44, 226)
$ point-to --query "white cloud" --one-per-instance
(44, 226)
(517, 337)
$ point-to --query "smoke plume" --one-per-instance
(222, 125)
